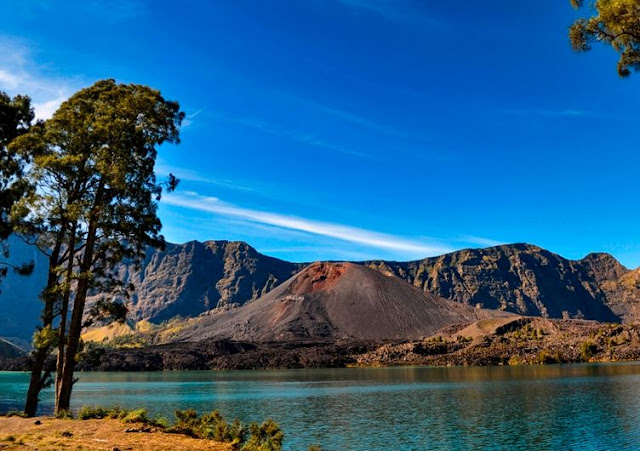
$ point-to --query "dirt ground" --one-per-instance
(111, 435)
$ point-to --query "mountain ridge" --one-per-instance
(335, 301)
(195, 277)
(522, 278)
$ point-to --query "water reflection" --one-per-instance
(587, 407)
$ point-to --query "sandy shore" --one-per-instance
(111, 435)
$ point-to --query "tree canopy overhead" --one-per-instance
(616, 23)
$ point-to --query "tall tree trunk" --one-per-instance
(75, 326)
(64, 311)
(39, 376)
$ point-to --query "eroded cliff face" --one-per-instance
(191, 278)
(528, 280)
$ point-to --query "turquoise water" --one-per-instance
(582, 407)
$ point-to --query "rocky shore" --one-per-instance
(506, 341)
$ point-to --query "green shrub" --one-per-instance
(15, 413)
(210, 426)
(97, 412)
(588, 349)
(136, 416)
(161, 422)
(546, 357)
(92, 413)
(265, 437)
(64, 415)
(118, 413)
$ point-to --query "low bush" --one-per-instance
(546, 357)
(96, 412)
(118, 413)
(265, 437)
(64, 415)
(588, 349)
(136, 416)
(212, 426)
(15, 413)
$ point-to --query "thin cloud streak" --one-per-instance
(485, 242)
(568, 112)
(362, 121)
(163, 169)
(295, 135)
(189, 118)
(345, 233)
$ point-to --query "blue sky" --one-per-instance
(353, 129)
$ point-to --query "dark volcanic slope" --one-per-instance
(523, 279)
(336, 301)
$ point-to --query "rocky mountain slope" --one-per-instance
(336, 301)
(527, 280)
(192, 278)
(502, 341)
(188, 279)
(183, 280)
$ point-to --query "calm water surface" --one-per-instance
(582, 407)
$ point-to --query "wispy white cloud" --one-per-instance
(334, 253)
(296, 135)
(362, 121)
(189, 118)
(19, 74)
(164, 169)
(567, 112)
(549, 113)
(485, 242)
(342, 232)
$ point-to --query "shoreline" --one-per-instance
(95, 434)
